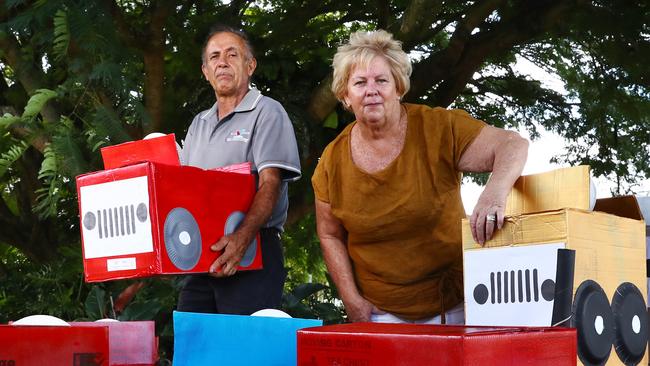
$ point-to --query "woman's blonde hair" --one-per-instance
(362, 48)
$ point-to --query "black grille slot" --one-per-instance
(506, 287)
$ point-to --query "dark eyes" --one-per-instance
(215, 56)
(362, 82)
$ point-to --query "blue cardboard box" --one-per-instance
(218, 339)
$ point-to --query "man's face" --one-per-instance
(227, 66)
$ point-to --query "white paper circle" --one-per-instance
(41, 320)
(272, 313)
(592, 193)
(107, 320)
(153, 135)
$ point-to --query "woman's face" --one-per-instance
(372, 92)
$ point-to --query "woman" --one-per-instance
(387, 189)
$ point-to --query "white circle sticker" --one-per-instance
(599, 325)
(184, 237)
(636, 324)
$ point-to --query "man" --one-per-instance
(242, 126)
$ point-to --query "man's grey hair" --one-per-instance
(222, 28)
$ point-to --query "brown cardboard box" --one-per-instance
(609, 251)
(562, 188)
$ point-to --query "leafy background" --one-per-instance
(79, 75)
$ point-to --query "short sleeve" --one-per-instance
(319, 181)
(187, 143)
(465, 129)
(274, 142)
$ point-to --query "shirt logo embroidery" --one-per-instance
(239, 135)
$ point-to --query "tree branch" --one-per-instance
(418, 16)
(383, 14)
(322, 100)
(454, 70)
(127, 34)
(154, 64)
(236, 8)
(27, 74)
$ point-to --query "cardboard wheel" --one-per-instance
(592, 317)
(232, 223)
(631, 323)
(182, 239)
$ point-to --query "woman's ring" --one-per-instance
(491, 218)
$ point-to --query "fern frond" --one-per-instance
(107, 124)
(61, 35)
(13, 3)
(48, 166)
(37, 101)
(93, 140)
(7, 120)
(65, 143)
(47, 197)
(11, 156)
(108, 73)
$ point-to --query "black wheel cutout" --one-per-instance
(592, 316)
(631, 323)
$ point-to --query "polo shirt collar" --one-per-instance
(247, 104)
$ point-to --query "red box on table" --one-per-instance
(131, 343)
(153, 218)
(374, 344)
(53, 345)
(82, 343)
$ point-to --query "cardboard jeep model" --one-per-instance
(147, 215)
(555, 262)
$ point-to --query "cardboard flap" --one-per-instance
(158, 149)
(557, 189)
(623, 206)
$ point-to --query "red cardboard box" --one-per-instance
(131, 343)
(80, 344)
(157, 150)
(53, 345)
(151, 219)
(374, 344)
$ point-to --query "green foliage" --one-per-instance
(61, 35)
(47, 197)
(10, 156)
(37, 101)
(28, 288)
(78, 80)
(95, 304)
(314, 301)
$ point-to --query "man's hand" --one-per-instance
(233, 247)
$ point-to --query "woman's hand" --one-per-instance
(360, 310)
(488, 215)
(504, 154)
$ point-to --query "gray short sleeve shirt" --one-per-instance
(258, 131)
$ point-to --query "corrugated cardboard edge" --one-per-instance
(561, 188)
(599, 257)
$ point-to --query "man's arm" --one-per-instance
(234, 245)
(504, 154)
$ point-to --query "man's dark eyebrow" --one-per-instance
(226, 50)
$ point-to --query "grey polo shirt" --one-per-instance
(258, 131)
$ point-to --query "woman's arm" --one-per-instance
(333, 239)
(504, 154)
